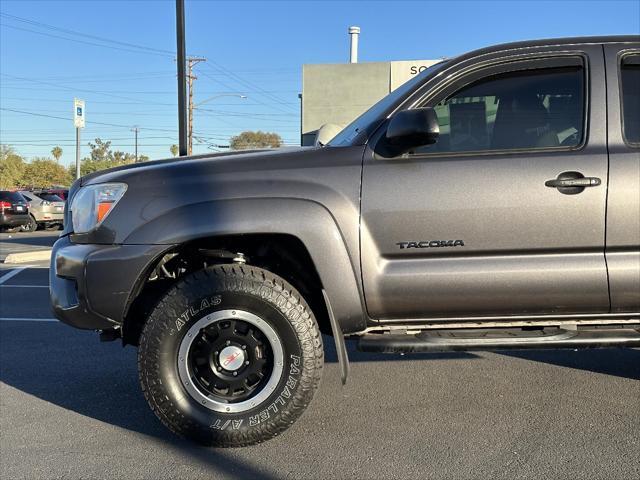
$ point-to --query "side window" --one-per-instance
(630, 83)
(528, 109)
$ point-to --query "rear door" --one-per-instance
(473, 225)
(623, 208)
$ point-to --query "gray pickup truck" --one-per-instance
(491, 202)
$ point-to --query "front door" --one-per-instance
(484, 222)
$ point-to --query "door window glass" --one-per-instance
(630, 80)
(518, 110)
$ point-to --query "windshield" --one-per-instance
(352, 131)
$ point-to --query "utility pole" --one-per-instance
(182, 83)
(136, 130)
(191, 62)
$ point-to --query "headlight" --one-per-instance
(91, 205)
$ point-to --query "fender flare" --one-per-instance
(307, 220)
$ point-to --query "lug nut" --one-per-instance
(228, 342)
(235, 374)
(244, 347)
(247, 362)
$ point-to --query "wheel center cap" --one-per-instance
(231, 358)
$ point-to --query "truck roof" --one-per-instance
(601, 39)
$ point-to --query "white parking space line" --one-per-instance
(11, 274)
(24, 286)
(30, 266)
(13, 319)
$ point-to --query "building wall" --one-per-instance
(338, 93)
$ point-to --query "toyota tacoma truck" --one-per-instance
(493, 201)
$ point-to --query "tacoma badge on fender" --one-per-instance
(431, 244)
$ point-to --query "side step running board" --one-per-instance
(449, 340)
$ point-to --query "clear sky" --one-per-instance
(52, 51)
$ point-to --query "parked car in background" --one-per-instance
(46, 210)
(14, 211)
(63, 193)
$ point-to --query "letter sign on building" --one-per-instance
(404, 70)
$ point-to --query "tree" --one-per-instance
(44, 172)
(249, 139)
(174, 150)
(56, 152)
(11, 167)
(102, 157)
(100, 150)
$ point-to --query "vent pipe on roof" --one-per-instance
(354, 33)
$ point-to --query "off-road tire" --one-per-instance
(225, 287)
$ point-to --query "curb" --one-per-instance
(26, 257)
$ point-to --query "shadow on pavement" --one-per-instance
(330, 355)
(99, 382)
(619, 362)
(70, 369)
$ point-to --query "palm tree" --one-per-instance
(56, 152)
(174, 150)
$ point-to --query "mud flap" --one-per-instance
(341, 348)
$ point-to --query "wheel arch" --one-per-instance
(295, 239)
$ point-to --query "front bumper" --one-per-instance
(92, 286)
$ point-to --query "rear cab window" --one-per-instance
(630, 98)
(49, 197)
(13, 197)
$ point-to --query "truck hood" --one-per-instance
(240, 158)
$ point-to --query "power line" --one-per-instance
(92, 122)
(156, 51)
(247, 83)
(79, 41)
(71, 88)
(254, 99)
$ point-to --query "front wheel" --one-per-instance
(32, 226)
(231, 356)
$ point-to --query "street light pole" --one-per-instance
(193, 107)
(218, 96)
(182, 79)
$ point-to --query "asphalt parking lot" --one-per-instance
(20, 242)
(71, 408)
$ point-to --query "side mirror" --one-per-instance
(409, 129)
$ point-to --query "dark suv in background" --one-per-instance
(14, 210)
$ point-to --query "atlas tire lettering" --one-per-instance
(193, 311)
(282, 399)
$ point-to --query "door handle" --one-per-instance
(571, 183)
